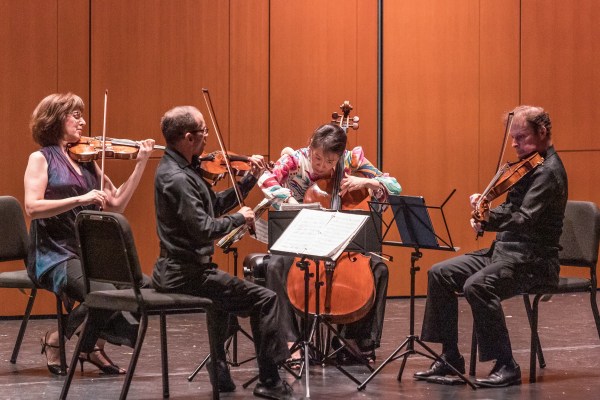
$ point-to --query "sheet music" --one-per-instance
(319, 233)
(261, 229)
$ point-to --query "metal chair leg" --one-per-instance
(595, 308)
(61, 334)
(164, 358)
(24, 321)
(134, 357)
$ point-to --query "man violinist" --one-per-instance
(189, 218)
(523, 255)
(294, 173)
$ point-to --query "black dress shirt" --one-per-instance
(189, 217)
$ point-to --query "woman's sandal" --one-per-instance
(109, 369)
(55, 369)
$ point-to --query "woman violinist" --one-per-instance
(294, 173)
(57, 188)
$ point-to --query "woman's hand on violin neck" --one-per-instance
(258, 165)
(146, 148)
(351, 183)
(96, 197)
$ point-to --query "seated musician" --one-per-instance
(524, 254)
(294, 173)
(190, 216)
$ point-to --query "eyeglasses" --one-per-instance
(203, 130)
(76, 114)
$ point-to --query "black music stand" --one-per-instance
(416, 230)
(296, 242)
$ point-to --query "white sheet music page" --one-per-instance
(318, 233)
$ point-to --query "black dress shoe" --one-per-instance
(438, 368)
(502, 376)
(279, 391)
(226, 384)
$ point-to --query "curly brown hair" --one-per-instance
(48, 117)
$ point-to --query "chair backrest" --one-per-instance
(107, 248)
(13, 231)
(581, 234)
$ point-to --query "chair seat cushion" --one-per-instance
(565, 285)
(16, 279)
(126, 300)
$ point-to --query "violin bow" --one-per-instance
(211, 113)
(103, 142)
(499, 171)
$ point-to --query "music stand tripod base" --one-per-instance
(416, 231)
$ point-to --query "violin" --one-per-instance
(90, 149)
(508, 175)
(349, 290)
(213, 165)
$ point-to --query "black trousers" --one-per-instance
(232, 296)
(367, 331)
(485, 282)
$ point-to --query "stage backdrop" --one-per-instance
(277, 69)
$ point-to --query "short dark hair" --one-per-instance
(331, 138)
(177, 121)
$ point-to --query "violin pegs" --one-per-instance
(355, 118)
(335, 115)
(355, 126)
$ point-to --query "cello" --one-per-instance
(349, 287)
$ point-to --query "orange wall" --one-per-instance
(277, 69)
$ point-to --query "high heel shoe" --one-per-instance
(55, 369)
(109, 369)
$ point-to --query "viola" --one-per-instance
(349, 290)
(90, 149)
(213, 166)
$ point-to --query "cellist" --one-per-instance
(524, 254)
(294, 173)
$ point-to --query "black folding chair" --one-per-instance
(579, 240)
(14, 242)
(108, 254)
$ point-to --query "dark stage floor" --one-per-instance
(569, 337)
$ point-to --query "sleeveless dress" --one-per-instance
(52, 240)
(53, 252)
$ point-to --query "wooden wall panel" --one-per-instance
(44, 50)
(152, 56)
(431, 114)
(560, 57)
(249, 74)
(276, 70)
(313, 69)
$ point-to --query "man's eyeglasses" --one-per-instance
(203, 130)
